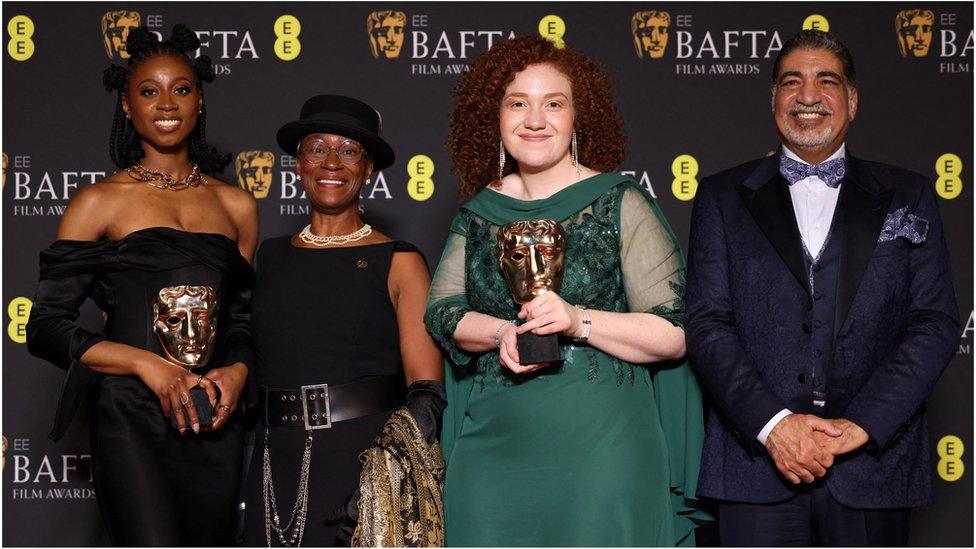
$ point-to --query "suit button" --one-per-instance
(805, 328)
(801, 378)
(816, 267)
(816, 353)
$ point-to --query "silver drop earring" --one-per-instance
(501, 160)
(574, 154)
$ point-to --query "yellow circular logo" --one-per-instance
(287, 46)
(553, 28)
(19, 311)
(420, 186)
(816, 22)
(21, 29)
(950, 449)
(684, 168)
(949, 168)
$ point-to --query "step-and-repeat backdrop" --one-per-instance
(691, 82)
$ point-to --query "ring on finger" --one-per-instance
(184, 398)
(197, 382)
(225, 407)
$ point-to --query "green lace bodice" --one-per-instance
(608, 268)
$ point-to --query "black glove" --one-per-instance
(345, 516)
(426, 401)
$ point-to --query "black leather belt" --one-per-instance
(319, 406)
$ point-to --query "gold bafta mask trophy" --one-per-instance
(532, 256)
(186, 324)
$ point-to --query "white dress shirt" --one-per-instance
(814, 204)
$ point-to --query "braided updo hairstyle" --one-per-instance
(143, 45)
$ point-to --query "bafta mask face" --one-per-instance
(386, 32)
(254, 172)
(115, 31)
(532, 255)
(914, 32)
(650, 30)
(186, 323)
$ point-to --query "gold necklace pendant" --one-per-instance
(161, 180)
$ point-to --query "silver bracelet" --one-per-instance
(586, 325)
(498, 331)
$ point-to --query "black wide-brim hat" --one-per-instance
(339, 115)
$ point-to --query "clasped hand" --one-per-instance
(172, 385)
(803, 446)
(545, 314)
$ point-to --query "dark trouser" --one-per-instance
(812, 517)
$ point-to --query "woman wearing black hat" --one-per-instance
(338, 320)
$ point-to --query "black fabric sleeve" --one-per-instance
(52, 333)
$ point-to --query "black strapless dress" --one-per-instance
(320, 316)
(154, 486)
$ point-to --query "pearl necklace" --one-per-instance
(307, 237)
(166, 181)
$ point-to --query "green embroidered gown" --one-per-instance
(595, 451)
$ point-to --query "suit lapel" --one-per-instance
(766, 195)
(862, 205)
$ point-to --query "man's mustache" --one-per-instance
(816, 109)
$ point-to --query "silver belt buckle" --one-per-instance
(312, 393)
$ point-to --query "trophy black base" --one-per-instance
(200, 400)
(533, 349)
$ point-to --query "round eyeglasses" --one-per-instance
(317, 152)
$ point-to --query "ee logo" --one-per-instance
(685, 170)
(18, 311)
(21, 29)
(420, 168)
(950, 449)
(287, 46)
(816, 22)
(949, 168)
(553, 28)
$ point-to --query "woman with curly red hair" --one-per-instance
(601, 447)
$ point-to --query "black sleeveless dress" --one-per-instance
(153, 485)
(320, 316)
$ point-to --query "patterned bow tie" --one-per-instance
(830, 172)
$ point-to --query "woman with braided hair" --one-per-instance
(164, 250)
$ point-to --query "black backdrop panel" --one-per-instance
(696, 104)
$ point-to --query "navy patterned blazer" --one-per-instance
(896, 328)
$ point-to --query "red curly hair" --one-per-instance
(475, 133)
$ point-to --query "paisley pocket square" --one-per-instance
(906, 225)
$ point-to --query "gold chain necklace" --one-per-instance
(166, 181)
(307, 237)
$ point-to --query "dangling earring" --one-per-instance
(574, 154)
(501, 160)
(298, 176)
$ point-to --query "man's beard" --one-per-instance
(808, 139)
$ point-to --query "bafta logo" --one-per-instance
(254, 171)
(650, 29)
(115, 31)
(4, 170)
(385, 30)
(914, 29)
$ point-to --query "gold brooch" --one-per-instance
(362, 263)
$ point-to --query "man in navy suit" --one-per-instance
(820, 313)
